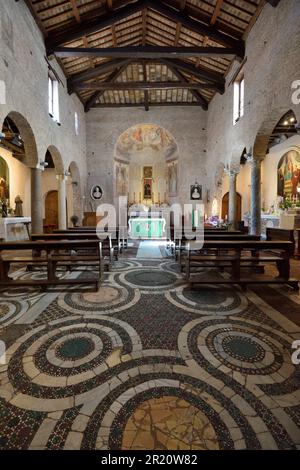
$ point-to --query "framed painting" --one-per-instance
(196, 192)
(147, 188)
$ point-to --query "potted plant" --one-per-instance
(74, 219)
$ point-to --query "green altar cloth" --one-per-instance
(147, 227)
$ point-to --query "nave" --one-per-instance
(145, 363)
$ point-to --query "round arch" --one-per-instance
(146, 164)
(265, 131)
(57, 159)
(27, 135)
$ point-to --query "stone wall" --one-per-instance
(273, 63)
(187, 126)
(24, 71)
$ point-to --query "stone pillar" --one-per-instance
(255, 209)
(36, 201)
(62, 204)
(232, 212)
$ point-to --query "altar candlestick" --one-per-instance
(158, 198)
(165, 198)
(140, 198)
(133, 198)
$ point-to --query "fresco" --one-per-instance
(143, 136)
(122, 179)
(288, 174)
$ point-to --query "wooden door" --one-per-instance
(51, 208)
(225, 206)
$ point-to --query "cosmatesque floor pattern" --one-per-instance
(147, 364)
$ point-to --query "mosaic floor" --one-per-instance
(146, 364)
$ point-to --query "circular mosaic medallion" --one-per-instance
(237, 346)
(104, 295)
(75, 348)
(168, 423)
(206, 296)
(110, 298)
(208, 299)
(243, 348)
(150, 279)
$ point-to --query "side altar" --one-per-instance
(15, 228)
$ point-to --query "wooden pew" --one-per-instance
(238, 254)
(297, 251)
(51, 254)
(108, 249)
(235, 235)
(118, 235)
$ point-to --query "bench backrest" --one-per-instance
(280, 234)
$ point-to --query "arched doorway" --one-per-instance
(19, 150)
(54, 190)
(225, 206)
(51, 210)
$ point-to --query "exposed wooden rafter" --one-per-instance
(114, 16)
(112, 78)
(201, 101)
(96, 71)
(274, 3)
(170, 52)
(145, 85)
(140, 105)
(145, 52)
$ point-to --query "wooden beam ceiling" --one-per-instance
(112, 78)
(93, 25)
(202, 101)
(145, 52)
(113, 16)
(145, 85)
(274, 3)
(96, 71)
(195, 26)
(140, 105)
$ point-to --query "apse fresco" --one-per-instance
(288, 175)
(143, 136)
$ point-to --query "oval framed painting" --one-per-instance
(96, 192)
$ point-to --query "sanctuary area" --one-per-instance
(149, 225)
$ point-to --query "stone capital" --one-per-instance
(254, 160)
(232, 171)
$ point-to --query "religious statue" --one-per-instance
(4, 208)
(18, 207)
(3, 189)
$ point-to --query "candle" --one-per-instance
(140, 198)
(133, 198)
(158, 198)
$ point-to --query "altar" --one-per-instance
(147, 227)
(14, 228)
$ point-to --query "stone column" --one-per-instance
(232, 212)
(36, 201)
(62, 208)
(255, 209)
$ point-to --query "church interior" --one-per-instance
(149, 225)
